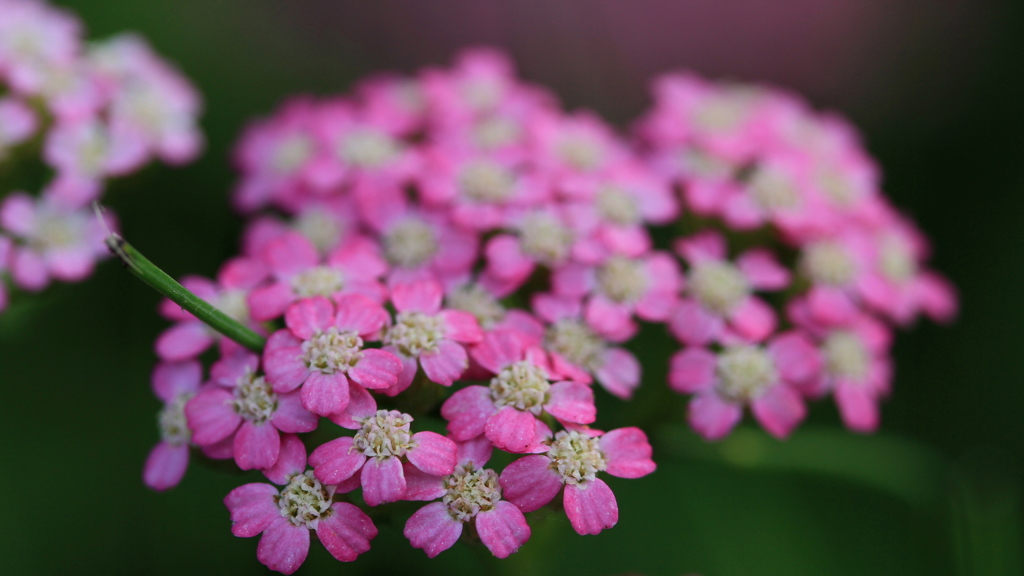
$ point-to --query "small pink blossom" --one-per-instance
(322, 351)
(541, 237)
(572, 459)
(286, 516)
(17, 123)
(174, 384)
(469, 494)
(383, 441)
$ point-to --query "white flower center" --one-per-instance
(234, 304)
(618, 206)
(623, 279)
(581, 152)
(545, 238)
(318, 281)
(55, 230)
(496, 132)
(745, 372)
(522, 385)
(479, 302)
(829, 263)
(773, 189)
(482, 94)
(471, 491)
(576, 342)
(837, 186)
(383, 435)
(846, 355)
(254, 399)
(172, 422)
(897, 262)
(291, 154)
(415, 333)
(718, 285)
(322, 229)
(696, 162)
(486, 181)
(410, 243)
(722, 113)
(368, 148)
(332, 351)
(304, 501)
(576, 457)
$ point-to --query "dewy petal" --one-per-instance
(628, 453)
(383, 481)
(529, 482)
(268, 302)
(461, 326)
(256, 446)
(346, 532)
(422, 486)
(165, 466)
(499, 348)
(779, 410)
(503, 529)
(359, 313)
(433, 454)
(291, 417)
(231, 367)
(377, 369)
(325, 394)
(309, 316)
(711, 416)
(692, 370)
(591, 506)
(183, 341)
(432, 529)
(467, 411)
(447, 364)
(290, 460)
(422, 296)
(284, 546)
(289, 254)
(572, 402)
(284, 367)
(510, 429)
(620, 373)
(172, 379)
(360, 405)
(335, 461)
(252, 508)
(210, 416)
(477, 450)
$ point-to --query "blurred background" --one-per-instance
(935, 86)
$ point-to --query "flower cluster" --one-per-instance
(458, 233)
(87, 112)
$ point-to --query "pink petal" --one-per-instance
(477, 450)
(383, 481)
(571, 402)
(284, 546)
(762, 270)
(291, 417)
(503, 529)
(183, 341)
(574, 280)
(18, 214)
(285, 368)
(712, 417)
(325, 394)
(360, 405)
(376, 369)
(795, 356)
(753, 319)
(165, 466)
(627, 452)
(432, 529)
(702, 247)
(309, 316)
(289, 254)
(692, 370)
(230, 368)
(173, 379)
(361, 314)
(269, 302)
(241, 274)
(335, 461)
(498, 349)
(461, 326)
(505, 259)
(467, 411)
(529, 482)
(422, 486)
(70, 264)
(423, 296)
(830, 305)
(858, 407)
(609, 319)
(779, 410)
(410, 366)
(346, 532)
(447, 364)
(937, 297)
(620, 373)
(692, 324)
(433, 454)
(211, 417)
(553, 308)
(510, 429)
(591, 506)
(256, 446)
(29, 270)
(252, 508)
(291, 459)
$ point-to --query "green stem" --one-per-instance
(164, 284)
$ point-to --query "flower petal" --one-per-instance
(591, 506)
(503, 529)
(346, 532)
(529, 482)
(383, 481)
(432, 529)
(433, 454)
(284, 546)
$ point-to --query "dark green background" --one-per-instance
(937, 492)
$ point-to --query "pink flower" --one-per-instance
(491, 314)
(469, 494)
(35, 37)
(240, 404)
(572, 459)
(286, 516)
(383, 439)
(542, 237)
(51, 241)
(507, 410)
(299, 272)
(578, 352)
(394, 101)
(767, 378)
(576, 150)
(175, 384)
(190, 336)
(322, 351)
(327, 224)
(721, 305)
(423, 332)
(479, 83)
(837, 266)
(17, 123)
